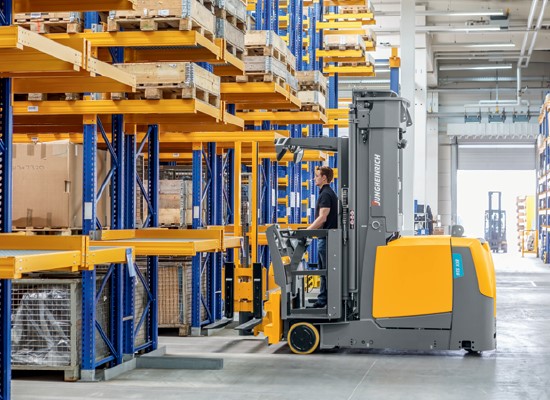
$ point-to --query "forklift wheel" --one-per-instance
(303, 338)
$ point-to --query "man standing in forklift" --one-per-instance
(326, 217)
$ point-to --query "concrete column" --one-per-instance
(408, 41)
(432, 156)
(444, 208)
(420, 123)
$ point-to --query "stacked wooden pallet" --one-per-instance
(150, 15)
(346, 38)
(312, 90)
(268, 59)
(176, 203)
(231, 25)
(173, 80)
(54, 22)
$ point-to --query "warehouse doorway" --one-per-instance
(472, 199)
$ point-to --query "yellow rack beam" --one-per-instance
(284, 117)
(232, 67)
(365, 18)
(360, 32)
(168, 242)
(261, 95)
(23, 51)
(344, 25)
(350, 70)
(20, 254)
(83, 107)
(69, 84)
(27, 6)
(185, 45)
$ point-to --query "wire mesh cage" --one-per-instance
(140, 302)
(175, 293)
(47, 324)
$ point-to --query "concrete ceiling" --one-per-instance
(457, 36)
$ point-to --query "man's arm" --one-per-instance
(321, 219)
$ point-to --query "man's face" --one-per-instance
(320, 180)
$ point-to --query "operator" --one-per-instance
(326, 217)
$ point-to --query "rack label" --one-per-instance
(32, 109)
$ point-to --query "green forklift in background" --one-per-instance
(495, 224)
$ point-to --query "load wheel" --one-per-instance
(303, 338)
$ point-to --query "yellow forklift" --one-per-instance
(384, 291)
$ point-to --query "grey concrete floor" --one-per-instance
(519, 369)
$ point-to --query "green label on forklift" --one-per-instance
(458, 269)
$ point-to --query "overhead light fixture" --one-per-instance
(474, 67)
(482, 45)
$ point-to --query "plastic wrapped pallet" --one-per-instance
(193, 80)
(235, 8)
(230, 33)
(344, 42)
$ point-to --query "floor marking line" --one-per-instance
(361, 381)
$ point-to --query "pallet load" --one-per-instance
(312, 90)
(175, 293)
(183, 80)
(231, 21)
(150, 15)
(49, 193)
(55, 22)
(268, 59)
(176, 203)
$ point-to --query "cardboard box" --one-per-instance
(47, 189)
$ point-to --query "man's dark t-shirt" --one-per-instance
(328, 199)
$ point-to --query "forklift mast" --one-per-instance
(370, 203)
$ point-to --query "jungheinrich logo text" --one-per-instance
(377, 180)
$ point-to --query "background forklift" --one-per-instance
(495, 224)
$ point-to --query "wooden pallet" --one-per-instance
(314, 107)
(234, 50)
(52, 96)
(265, 51)
(52, 26)
(231, 19)
(232, 36)
(312, 87)
(173, 92)
(183, 330)
(266, 77)
(53, 17)
(178, 80)
(354, 9)
(44, 231)
(158, 24)
(343, 46)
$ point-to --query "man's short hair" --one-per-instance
(326, 171)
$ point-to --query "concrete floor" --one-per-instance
(519, 369)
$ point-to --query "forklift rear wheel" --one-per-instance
(303, 338)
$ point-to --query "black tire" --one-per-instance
(303, 338)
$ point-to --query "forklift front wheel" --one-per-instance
(303, 338)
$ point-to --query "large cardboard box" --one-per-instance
(47, 185)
